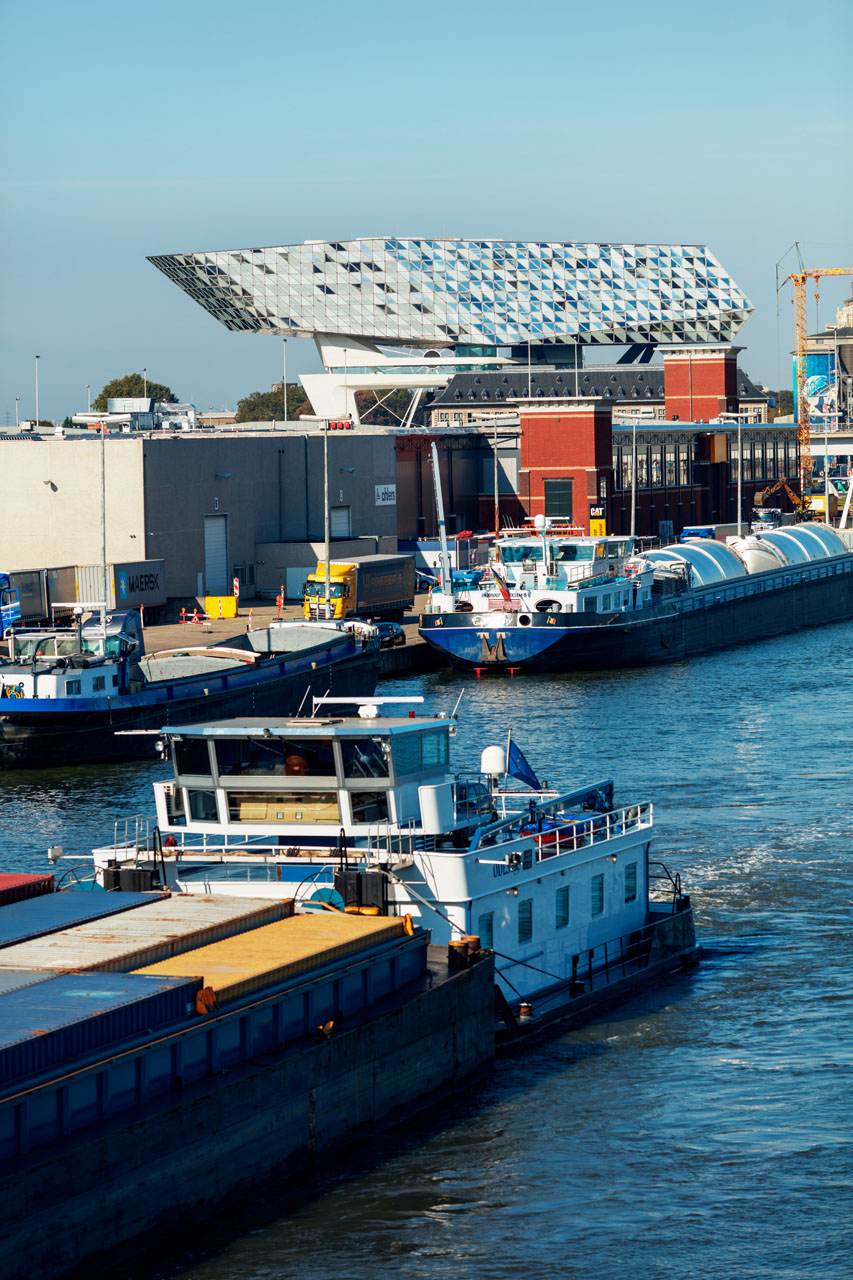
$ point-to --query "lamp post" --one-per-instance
(88, 398)
(17, 411)
(327, 588)
(37, 393)
(284, 378)
(144, 384)
(497, 487)
(634, 476)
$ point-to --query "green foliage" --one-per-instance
(392, 409)
(267, 406)
(784, 405)
(133, 386)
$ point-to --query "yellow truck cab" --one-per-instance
(363, 586)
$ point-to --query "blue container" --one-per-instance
(13, 979)
(57, 1022)
(53, 911)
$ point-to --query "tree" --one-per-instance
(784, 405)
(133, 386)
(267, 406)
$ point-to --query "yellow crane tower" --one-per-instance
(804, 434)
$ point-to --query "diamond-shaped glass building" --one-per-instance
(462, 297)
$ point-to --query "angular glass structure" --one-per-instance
(471, 293)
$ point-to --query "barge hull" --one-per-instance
(711, 618)
(60, 735)
(128, 1182)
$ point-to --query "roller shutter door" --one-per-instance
(339, 522)
(216, 555)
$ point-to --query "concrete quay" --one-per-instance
(414, 656)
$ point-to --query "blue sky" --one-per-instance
(139, 129)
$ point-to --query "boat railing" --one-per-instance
(132, 833)
(671, 884)
(597, 798)
(566, 832)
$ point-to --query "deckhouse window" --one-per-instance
(369, 806)
(203, 806)
(562, 907)
(192, 756)
(525, 920)
(283, 806)
(486, 930)
(282, 757)
(631, 882)
(597, 895)
(365, 757)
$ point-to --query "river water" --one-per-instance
(703, 1130)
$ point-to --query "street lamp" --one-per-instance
(144, 384)
(284, 378)
(37, 393)
(633, 475)
(17, 414)
(327, 520)
(88, 398)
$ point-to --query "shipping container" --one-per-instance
(277, 952)
(51, 912)
(164, 928)
(12, 979)
(32, 593)
(129, 585)
(15, 887)
(68, 1017)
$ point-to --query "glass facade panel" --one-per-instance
(558, 499)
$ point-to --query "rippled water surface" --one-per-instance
(703, 1130)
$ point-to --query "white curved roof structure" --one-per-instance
(803, 542)
(710, 561)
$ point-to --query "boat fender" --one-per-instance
(524, 619)
(408, 927)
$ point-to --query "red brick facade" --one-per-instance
(570, 440)
(699, 385)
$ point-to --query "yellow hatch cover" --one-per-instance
(275, 952)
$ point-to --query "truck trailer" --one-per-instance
(362, 587)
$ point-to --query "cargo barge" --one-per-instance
(92, 693)
(200, 1048)
(559, 600)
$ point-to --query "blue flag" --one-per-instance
(517, 767)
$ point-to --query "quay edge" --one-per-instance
(162, 1169)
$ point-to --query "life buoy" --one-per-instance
(170, 843)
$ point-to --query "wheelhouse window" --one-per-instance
(191, 756)
(417, 751)
(283, 806)
(202, 806)
(365, 757)
(597, 895)
(282, 757)
(369, 806)
(631, 882)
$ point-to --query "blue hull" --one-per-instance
(707, 618)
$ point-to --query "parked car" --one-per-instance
(390, 634)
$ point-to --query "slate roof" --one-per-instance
(621, 383)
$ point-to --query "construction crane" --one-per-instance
(804, 435)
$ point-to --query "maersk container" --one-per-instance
(17, 887)
(129, 585)
(51, 912)
(68, 1017)
(167, 927)
(288, 949)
